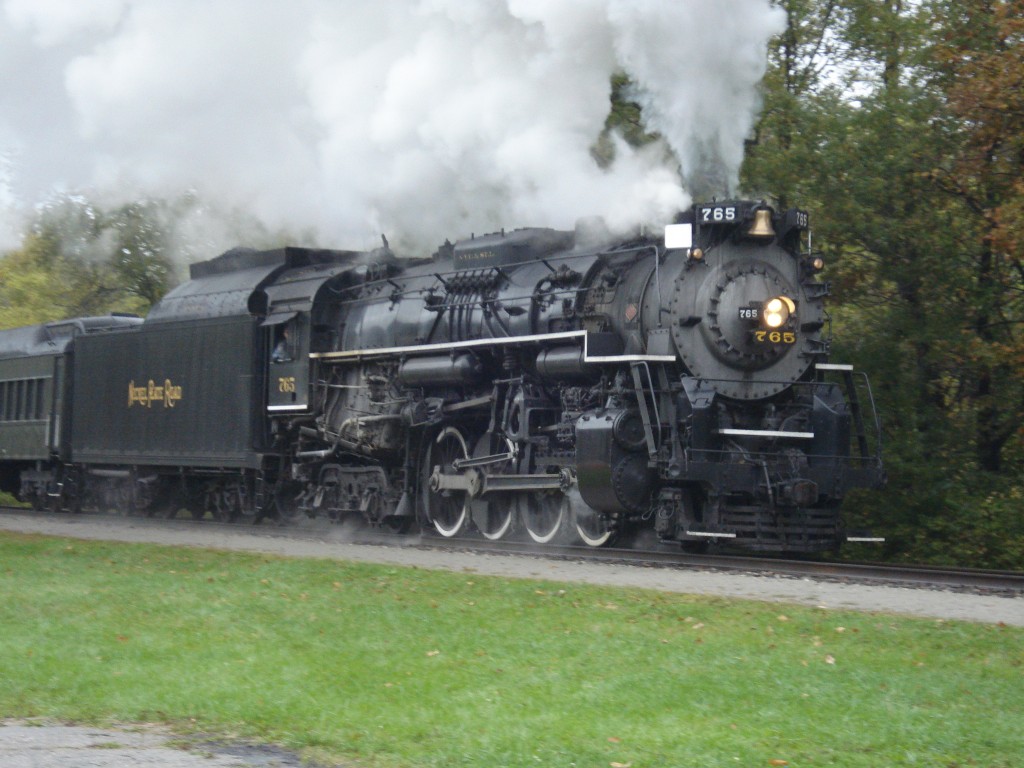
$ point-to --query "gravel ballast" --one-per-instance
(329, 542)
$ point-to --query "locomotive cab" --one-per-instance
(299, 314)
(286, 341)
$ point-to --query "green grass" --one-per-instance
(10, 500)
(405, 667)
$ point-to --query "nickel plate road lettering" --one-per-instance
(149, 394)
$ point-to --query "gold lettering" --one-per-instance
(775, 337)
(138, 395)
(172, 394)
(167, 394)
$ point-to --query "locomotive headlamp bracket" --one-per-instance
(680, 237)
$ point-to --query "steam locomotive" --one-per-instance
(542, 383)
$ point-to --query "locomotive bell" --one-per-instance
(762, 226)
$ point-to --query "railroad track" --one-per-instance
(1009, 582)
(654, 555)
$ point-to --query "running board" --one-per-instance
(766, 433)
(710, 535)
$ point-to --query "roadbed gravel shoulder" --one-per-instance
(44, 744)
(330, 542)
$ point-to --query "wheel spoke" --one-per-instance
(593, 528)
(543, 515)
(447, 510)
(494, 513)
(496, 520)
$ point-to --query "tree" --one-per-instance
(80, 260)
(915, 183)
(982, 70)
(625, 120)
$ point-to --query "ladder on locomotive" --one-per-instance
(853, 398)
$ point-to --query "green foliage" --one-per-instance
(981, 524)
(406, 667)
(624, 122)
(895, 124)
(10, 500)
(80, 260)
(140, 261)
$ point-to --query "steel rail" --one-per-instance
(670, 556)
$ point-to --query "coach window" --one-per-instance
(30, 400)
(40, 399)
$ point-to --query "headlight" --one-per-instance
(777, 311)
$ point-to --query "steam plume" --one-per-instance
(422, 118)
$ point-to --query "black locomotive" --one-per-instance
(557, 383)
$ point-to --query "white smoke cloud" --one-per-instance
(424, 119)
(9, 225)
(51, 22)
(694, 64)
